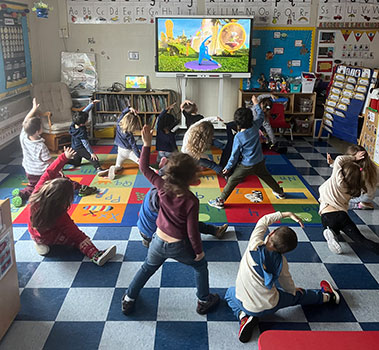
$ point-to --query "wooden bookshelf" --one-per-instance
(147, 104)
(301, 119)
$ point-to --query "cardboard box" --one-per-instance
(9, 295)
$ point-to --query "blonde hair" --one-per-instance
(50, 202)
(130, 122)
(369, 170)
(200, 139)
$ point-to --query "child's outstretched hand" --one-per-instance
(95, 101)
(254, 100)
(295, 218)
(185, 102)
(171, 106)
(360, 155)
(329, 159)
(147, 135)
(69, 152)
(94, 156)
(35, 105)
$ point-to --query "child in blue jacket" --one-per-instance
(246, 145)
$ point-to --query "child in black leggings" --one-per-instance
(349, 178)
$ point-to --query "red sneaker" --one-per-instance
(326, 287)
(247, 325)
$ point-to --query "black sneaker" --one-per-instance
(127, 306)
(205, 306)
(247, 325)
(87, 190)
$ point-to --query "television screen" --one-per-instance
(136, 82)
(203, 45)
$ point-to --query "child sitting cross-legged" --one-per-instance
(177, 235)
(247, 146)
(264, 284)
(148, 214)
(50, 224)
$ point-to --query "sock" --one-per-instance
(126, 298)
(241, 315)
(325, 297)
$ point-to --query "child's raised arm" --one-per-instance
(147, 136)
(32, 111)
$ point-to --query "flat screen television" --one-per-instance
(203, 46)
(135, 82)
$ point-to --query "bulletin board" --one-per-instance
(279, 50)
(15, 61)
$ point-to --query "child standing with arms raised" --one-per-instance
(50, 224)
(177, 236)
(246, 145)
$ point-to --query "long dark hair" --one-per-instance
(369, 169)
(179, 172)
(50, 202)
(354, 178)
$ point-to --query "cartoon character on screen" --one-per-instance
(203, 51)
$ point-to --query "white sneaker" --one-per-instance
(333, 243)
(102, 173)
(42, 249)
(112, 172)
(103, 256)
(255, 196)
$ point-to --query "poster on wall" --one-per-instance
(137, 12)
(348, 14)
(15, 63)
(353, 47)
(6, 260)
(266, 13)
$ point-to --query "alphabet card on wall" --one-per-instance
(265, 12)
(125, 11)
(348, 14)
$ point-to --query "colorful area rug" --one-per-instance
(118, 201)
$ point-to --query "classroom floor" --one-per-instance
(69, 303)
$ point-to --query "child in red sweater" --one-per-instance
(178, 235)
(50, 223)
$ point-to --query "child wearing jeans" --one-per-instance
(264, 284)
(148, 214)
(50, 224)
(247, 146)
(177, 236)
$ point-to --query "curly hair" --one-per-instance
(180, 171)
(130, 122)
(200, 139)
(50, 202)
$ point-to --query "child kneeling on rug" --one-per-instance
(148, 214)
(49, 222)
(177, 236)
(262, 267)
